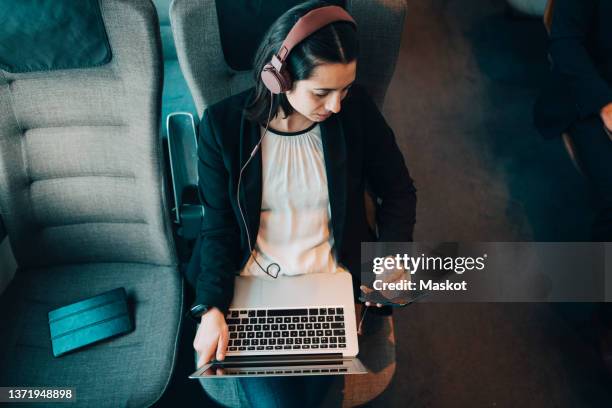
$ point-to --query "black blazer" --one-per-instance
(358, 147)
(580, 49)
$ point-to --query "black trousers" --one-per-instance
(594, 150)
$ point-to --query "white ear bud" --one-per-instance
(254, 150)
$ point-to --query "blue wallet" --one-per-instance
(89, 321)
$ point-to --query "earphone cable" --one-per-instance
(273, 265)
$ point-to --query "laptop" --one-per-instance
(290, 326)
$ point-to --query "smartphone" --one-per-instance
(377, 297)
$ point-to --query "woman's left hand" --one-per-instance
(367, 290)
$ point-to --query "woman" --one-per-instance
(578, 99)
(299, 162)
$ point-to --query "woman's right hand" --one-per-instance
(212, 337)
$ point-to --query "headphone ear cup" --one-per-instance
(286, 80)
(277, 82)
(272, 79)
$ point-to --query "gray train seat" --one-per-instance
(82, 198)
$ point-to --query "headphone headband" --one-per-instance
(309, 23)
(274, 76)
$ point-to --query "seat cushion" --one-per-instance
(377, 353)
(130, 370)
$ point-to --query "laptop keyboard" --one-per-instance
(286, 329)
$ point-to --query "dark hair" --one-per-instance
(334, 43)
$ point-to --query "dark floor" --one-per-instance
(460, 103)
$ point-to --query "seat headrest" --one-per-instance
(243, 23)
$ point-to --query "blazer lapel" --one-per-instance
(251, 184)
(334, 153)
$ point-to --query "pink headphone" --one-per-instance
(274, 74)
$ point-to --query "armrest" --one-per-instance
(182, 148)
(2, 230)
(8, 265)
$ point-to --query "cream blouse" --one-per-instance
(294, 229)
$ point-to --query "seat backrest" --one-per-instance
(195, 26)
(81, 175)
